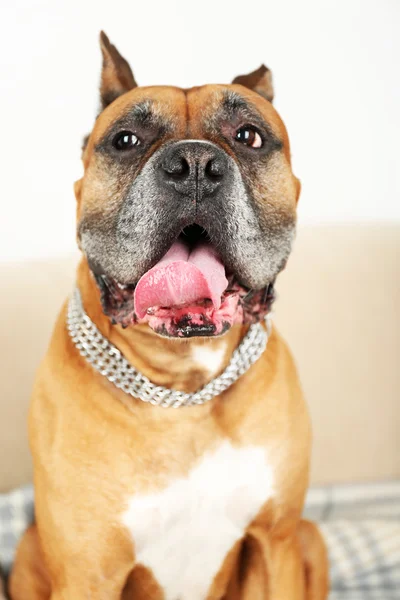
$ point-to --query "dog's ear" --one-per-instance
(116, 75)
(259, 81)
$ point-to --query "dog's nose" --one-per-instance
(194, 167)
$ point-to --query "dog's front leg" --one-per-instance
(75, 552)
(298, 565)
(94, 567)
(71, 575)
(57, 574)
(315, 560)
(289, 566)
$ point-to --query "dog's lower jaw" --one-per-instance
(117, 300)
(238, 306)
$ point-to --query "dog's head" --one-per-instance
(187, 207)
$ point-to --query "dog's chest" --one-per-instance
(184, 531)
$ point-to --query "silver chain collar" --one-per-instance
(110, 362)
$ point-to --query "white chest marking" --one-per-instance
(183, 532)
(208, 358)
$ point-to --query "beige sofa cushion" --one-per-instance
(338, 307)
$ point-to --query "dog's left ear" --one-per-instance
(259, 81)
(116, 74)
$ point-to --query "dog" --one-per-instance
(170, 437)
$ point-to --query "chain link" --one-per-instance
(110, 362)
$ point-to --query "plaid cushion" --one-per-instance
(16, 513)
(361, 526)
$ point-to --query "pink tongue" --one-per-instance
(182, 277)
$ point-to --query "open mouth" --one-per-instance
(187, 293)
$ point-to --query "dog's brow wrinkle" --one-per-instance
(233, 102)
(143, 111)
(149, 113)
(187, 113)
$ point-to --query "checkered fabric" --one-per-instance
(16, 513)
(361, 526)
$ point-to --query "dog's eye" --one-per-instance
(125, 140)
(249, 137)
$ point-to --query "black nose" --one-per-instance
(193, 167)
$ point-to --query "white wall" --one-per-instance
(336, 67)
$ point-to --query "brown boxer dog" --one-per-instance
(186, 214)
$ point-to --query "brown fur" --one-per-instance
(94, 446)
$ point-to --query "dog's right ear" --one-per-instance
(259, 81)
(116, 75)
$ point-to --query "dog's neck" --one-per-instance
(184, 365)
